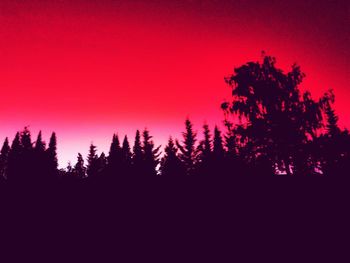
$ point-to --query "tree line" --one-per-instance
(271, 128)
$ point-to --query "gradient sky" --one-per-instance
(87, 69)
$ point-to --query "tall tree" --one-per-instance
(92, 162)
(126, 156)
(151, 154)
(79, 168)
(273, 120)
(188, 153)
(138, 155)
(51, 154)
(204, 149)
(14, 157)
(39, 160)
(114, 157)
(171, 165)
(4, 158)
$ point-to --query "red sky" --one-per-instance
(91, 68)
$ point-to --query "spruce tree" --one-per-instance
(138, 156)
(126, 156)
(218, 149)
(14, 159)
(188, 153)
(151, 154)
(51, 154)
(4, 159)
(92, 162)
(79, 168)
(114, 157)
(204, 150)
(332, 121)
(40, 161)
(171, 165)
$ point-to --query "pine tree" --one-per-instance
(332, 121)
(39, 144)
(151, 154)
(51, 154)
(218, 149)
(188, 153)
(114, 157)
(204, 150)
(171, 165)
(26, 140)
(79, 168)
(39, 159)
(14, 159)
(138, 155)
(4, 159)
(102, 163)
(126, 156)
(92, 159)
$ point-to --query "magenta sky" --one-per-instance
(91, 68)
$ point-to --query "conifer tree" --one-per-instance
(39, 160)
(79, 168)
(332, 121)
(138, 156)
(151, 154)
(204, 159)
(126, 156)
(14, 159)
(218, 149)
(51, 154)
(171, 165)
(114, 157)
(92, 162)
(4, 159)
(188, 153)
(102, 163)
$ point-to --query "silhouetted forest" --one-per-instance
(271, 128)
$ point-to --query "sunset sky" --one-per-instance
(88, 69)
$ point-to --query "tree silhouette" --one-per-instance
(13, 170)
(114, 157)
(138, 157)
(188, 153)
(39, 157)
(274, 121)
(126, 157)
(205, 156)
(52, 155)
(79, 170)
(4, 158)
(171, 165)
(151, 154)
(92, 162)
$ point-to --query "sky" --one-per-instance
(88, 69)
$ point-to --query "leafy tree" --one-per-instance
(270, 117)
(171, 165)
(188, 153)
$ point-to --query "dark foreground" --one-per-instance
(175, 219)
